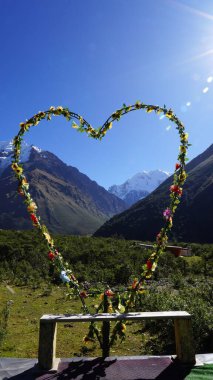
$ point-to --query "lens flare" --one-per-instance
(205, 90)
(209, 79)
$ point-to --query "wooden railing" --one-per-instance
(48, 331)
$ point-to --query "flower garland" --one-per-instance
(110, 302)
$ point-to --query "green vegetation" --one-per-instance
(183, 283)
(4, 321)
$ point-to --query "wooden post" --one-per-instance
(47, 344)
(105, 331)
(184, 341)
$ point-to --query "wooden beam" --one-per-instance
(184, 341)
(47, 344)
(115, 316)
(47, 337)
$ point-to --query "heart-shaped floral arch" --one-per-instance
(119, 303)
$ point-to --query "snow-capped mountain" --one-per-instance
(139, 186)
(193, 220)
(69, 202)
(6, 152)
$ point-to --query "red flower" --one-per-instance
(109, 293)
(134, 284)
(176, 189)
(149, 264)
(86, 339)
(83, 294)
(20, 191)
(34, 218)
(51, 256)
(177, 166)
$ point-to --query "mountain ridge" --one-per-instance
(193, 217)
(68, 200)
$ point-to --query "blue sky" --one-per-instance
(94, 55)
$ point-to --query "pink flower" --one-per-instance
(167, 213)
(159, 238)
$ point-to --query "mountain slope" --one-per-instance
(138, 186)
(69, 202)
(194, 217)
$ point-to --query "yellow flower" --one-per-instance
(18, 169)
(110, 126)
(182, 176)
(141, 291)
(24, 183)
(123, 327)
(87, 339)
(182, 149)
(59, 108)
(170, 222)
(159, 111)
(90, 129)
(74, 125)
(41, 114)
(116, 114)
(169, 114)
(138, 104)
(154, 265)
(110, 309)
(47, 237)
(184, 137)
(149, 109)
(25, 126)
(32, 207)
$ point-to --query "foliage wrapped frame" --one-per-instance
(110, 302)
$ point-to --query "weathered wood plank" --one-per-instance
(47, 337)
(184, 341)
(47, 344)
(115, 316)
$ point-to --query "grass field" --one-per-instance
(23, 326)
(183, 283)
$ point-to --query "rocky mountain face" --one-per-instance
(193, 220)
(139, 186)
(69, 202)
